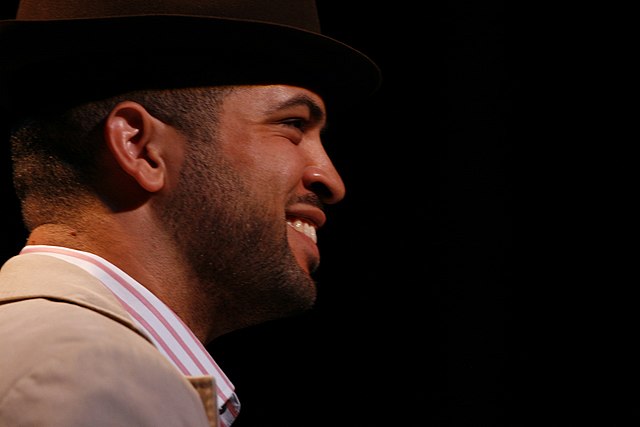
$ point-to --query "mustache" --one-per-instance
(310, 199)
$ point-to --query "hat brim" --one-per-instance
(42, 62)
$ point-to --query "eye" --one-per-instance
(295, 122)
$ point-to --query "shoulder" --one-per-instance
(67, 364)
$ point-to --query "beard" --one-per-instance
(237, 250)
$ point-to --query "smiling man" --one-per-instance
(173, 179)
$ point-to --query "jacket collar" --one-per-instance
(29, 276)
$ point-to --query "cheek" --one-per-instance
(269, 163)
(278, 173)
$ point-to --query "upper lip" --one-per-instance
(307, 213)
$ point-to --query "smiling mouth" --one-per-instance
(304, 228)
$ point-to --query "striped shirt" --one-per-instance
(157, 321)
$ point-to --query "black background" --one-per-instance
(437, 303)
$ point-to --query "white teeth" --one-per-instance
(304, 228)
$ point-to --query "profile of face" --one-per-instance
(250, 199)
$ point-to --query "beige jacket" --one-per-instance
(70, 356)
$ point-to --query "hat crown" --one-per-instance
(301, 14)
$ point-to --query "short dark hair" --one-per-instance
(56, 156)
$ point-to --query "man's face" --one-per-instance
(249, 201)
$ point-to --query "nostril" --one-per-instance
(325, 194)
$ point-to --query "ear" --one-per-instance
(133, 137)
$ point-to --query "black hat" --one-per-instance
(73, 49)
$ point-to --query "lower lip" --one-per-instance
(305, 250)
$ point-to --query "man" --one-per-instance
(170, 167)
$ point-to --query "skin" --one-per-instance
(206, 230)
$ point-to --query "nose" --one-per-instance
(325, 181)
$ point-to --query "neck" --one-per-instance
(153, 264)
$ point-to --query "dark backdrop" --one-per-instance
(426, 315)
